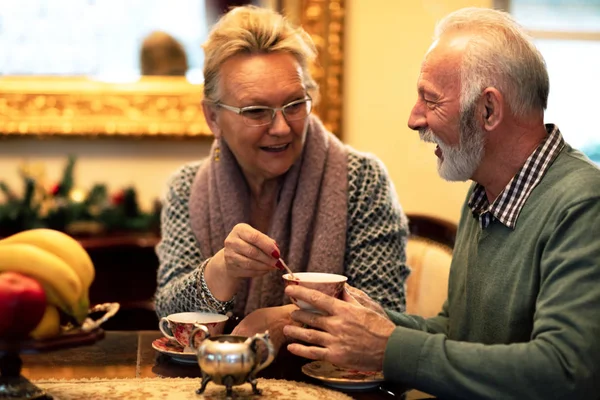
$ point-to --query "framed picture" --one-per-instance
(84, 96)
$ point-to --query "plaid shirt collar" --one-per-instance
(508, 205)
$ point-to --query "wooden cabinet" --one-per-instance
(126, 268)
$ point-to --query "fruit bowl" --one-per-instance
(15, 386)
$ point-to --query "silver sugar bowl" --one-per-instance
(230, 360)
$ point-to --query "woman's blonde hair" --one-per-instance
(255, 30)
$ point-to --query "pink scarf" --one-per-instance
(310, 219)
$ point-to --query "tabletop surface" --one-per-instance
(129, 354)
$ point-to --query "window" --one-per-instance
(567, 32)
(97, 38)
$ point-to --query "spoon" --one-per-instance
(287, 268)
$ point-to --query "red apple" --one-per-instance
(22, 304)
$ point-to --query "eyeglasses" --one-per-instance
(263, 115)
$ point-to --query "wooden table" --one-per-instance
(129, 354)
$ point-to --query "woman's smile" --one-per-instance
(276, 148)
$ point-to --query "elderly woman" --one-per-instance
(276, 184)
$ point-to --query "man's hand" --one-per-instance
(351, 336)
(356, 296)
(272, 319)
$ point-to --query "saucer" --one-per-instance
(174, 350)
(340, 378)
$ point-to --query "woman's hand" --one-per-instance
(272, 319)
(247, 253)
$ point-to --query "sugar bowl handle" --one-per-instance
(264, 337)
(197, 329)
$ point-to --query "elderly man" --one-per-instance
(522, 317)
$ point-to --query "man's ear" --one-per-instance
(492, 108)
(210, 115)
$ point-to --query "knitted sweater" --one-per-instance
(522, 319)
(374, 261)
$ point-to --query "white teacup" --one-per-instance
(178, 327)
(329, 284)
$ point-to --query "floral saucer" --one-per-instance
(340, 378)
(174, 350)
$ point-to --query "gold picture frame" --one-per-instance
(159, 106)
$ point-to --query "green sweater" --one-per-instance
(522, 318)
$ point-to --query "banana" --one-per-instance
(79, 311)
(52, 272)
(62, 245)
(72, 253)
(49, 326)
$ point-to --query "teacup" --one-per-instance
(178, 327)
(329, 284)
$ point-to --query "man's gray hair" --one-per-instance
(500, 54)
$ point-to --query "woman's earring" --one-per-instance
(217, 154)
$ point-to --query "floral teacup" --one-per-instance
(329, 284)
(178, 327)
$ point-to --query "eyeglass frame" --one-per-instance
(240, 110)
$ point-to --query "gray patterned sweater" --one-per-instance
(375, 259)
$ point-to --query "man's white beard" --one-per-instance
(459, 162)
